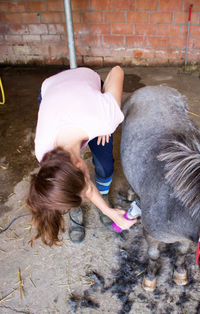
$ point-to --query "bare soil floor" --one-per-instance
(104, 273)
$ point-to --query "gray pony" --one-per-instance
(160, 153)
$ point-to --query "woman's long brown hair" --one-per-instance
(53, 191)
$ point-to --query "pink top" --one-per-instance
(74, 98)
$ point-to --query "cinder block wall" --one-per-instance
(145, 32)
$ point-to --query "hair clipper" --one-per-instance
(133, 212)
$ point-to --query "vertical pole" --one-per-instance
(70, 34)
(188, 33)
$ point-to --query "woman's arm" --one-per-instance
(115, 214)
(114, 83)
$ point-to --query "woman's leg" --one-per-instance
(104, 164)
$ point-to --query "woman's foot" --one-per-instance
(76, 225)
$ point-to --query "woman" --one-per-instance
(74, 111)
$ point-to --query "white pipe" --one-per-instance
(70, 34)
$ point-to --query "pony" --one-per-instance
(160, 156)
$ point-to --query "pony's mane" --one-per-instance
(181, 154)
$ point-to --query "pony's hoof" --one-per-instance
(149, 285)
(180, 278)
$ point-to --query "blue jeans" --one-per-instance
(104, 164)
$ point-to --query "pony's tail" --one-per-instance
(181, 154)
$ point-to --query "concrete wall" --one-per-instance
(146, 32)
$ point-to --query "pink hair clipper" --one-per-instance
(133, 212)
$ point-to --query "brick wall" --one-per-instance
(146, 32)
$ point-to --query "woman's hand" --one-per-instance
(117, 215)
(103, 139)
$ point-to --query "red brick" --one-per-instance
(78, 5)
(17, 6)
(92, 17)
(59, 50)
(123, 29)
(123, 5)
(182, 18)
(114, 17)
(52, 17)
(100, 28)
(149, 5)
(93, 60)
(101, 51)
(158, 42)
(4, 29)
(57, 5)
(137, 17)
(197, 44)
(12, 39)
(5, 50)
(53, 60)
(161, 17)
(12, 18)
(30, 18)
(64, 37)
(31, 38)
(19, 29)
(2, 40)
(42, 50)
(191, 43)
(194, 57)
(184, 30)
(101, 5)
(3, 7)
(51, 38)
(91, 40)
(63, 19)
(114, 41)
(56, 29)
(196, 5)
(171, 5)
(195, 31)
(81, 29)
(37, 6)
(21, 50)
(110, 61)
(81, 50)
(76, 16)
(194, 18)
(136, 41)
(79, 60)
(1, 18)
(168, 58)
(145, 29)
(120, 51)
(170, 30)
(38, 29)
(178, 42)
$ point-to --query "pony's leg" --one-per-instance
(122, 199)
(149, 281)
(180, 273)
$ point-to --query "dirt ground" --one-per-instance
(104, 273)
